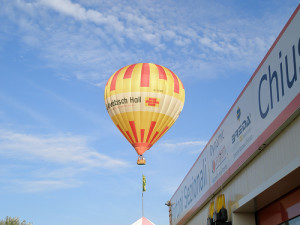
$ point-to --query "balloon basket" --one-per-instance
(141, 160)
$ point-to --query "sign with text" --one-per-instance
(270, 97)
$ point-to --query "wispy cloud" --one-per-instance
(184, 144)
(25, 109)
(78, 12)
(56, 161)
(42, 185)
(88, 115)
(93, 42)
(193, 147)
(62, 149)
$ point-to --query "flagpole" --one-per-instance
(143, 190)
(142, 204)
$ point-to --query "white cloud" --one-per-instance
(93, 39)
(25, 109)
(61, 149)
(188, 146)
(186, 143)
(42, 185)
(78, 12)
(50, 162)
(67, 7)
(89, 115)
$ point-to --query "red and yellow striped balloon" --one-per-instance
(144, 100)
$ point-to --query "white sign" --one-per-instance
(270, 97)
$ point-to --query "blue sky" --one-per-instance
(62, 161)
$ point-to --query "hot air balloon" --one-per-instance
(144, 100)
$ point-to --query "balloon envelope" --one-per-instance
(144, 100)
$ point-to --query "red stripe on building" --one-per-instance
(128, 72)
(132, 125)
(156, 133)
(114, 80)
(176, 83)
(150, 130)
(142, 134)
(161, 72)
(145, 75)
(123, 133)
(131, 140)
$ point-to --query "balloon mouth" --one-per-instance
(140, 148)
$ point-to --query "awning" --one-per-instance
(143, 221)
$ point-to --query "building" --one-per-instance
(250, 166)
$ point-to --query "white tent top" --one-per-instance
(143, 221)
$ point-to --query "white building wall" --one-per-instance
(274, 162)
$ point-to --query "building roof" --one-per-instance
(143, 221)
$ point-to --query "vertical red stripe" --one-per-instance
(127, 132)
(166, 128)
(132, 125)
(145, 75)
(176, 83)
(142, 134)
(150, 130)
(161, 72)
(156, 133)
(123, 132)
(114, 80)
(128, 72)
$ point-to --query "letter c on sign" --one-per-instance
(262, 114)
(299, 47)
